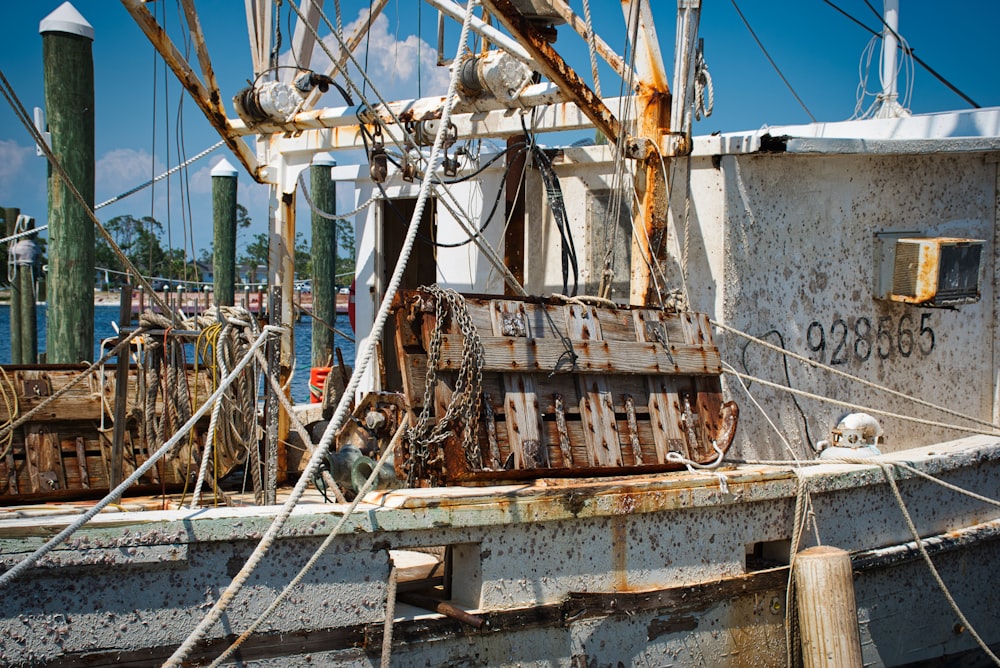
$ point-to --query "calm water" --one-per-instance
(104, 315)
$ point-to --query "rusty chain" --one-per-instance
(466, 399)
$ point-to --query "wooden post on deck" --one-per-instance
(514, 184)
(224, 220)
(67, 44)
(10, 216)
(116, 473)
(828, 614)
(324, 258)
(25, 278)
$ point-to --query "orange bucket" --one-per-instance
(317, 378)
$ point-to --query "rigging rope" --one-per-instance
(858, 407)
(155, 179)
(592, 48)
(862, 381)
(8, 93)
(704, 91)
(803, 500)
(320, 551)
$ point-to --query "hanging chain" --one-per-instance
(466, 399)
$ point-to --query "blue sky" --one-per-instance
(817, 49)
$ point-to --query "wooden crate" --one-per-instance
(64, 451)
(568, 388)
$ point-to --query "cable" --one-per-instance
(906, 49)
(771, 60)
(753, 400)
(788, 378)
(891, 479)
(140, 471)
(859, 407)
(843, 374)
(8, 93)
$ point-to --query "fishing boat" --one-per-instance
(679, 400)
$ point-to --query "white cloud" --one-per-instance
(123, 168)
(12, 158)
(392, 63)
(13, 161)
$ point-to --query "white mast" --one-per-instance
(888, 106)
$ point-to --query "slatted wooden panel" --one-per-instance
(646, 383)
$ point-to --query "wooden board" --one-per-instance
(524, 429)
(64, 451)
(597, 408)
(504, 354)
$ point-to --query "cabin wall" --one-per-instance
(782, 248)
(463, 268)
(587, 185)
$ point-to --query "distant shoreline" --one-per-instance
(101, 298)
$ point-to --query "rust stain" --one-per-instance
(619, 552)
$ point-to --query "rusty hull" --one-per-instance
(657, 569)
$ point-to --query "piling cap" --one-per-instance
(324, 160)
(66, 19)
(223, 168)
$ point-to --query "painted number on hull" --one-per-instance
(861, 339)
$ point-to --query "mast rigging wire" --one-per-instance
(909, 51)
(151, 182)
(771, 60)
(11, 96)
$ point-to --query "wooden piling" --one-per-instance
(324, 258)
(828, 617)
(67, 41)
(10, 217)
(224, 184)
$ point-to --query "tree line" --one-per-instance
(141, 241)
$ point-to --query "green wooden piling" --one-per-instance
(324, 258)
(224, 220)
(67, 41)
(10, 217)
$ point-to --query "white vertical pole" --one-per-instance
(890, 46)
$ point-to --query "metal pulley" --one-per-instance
(378, 167)
(408, 170)
(450, 165)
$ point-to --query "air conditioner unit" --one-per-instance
(936, 271)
